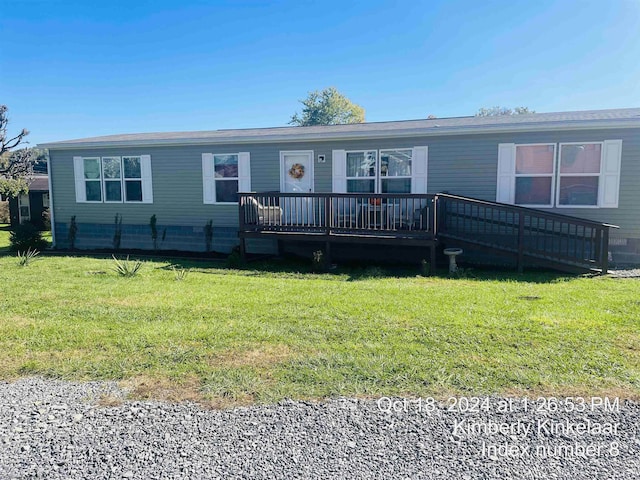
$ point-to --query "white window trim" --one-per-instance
(377, 178)
(224, 179)
(124, 180)
(393, 177)
(114, 180)
(102, 180)
(85, 180)
(374, 178)
(599, 175)
(521, 175)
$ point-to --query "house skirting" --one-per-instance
(91, 236)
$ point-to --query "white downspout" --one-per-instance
(51, 217)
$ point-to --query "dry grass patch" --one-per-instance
(186, 389)
(259, 357)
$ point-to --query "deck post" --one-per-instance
(241, 228)
(604, 253)
(520, 242)
(327, 215)
(327, 255)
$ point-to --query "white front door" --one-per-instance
(296, 176)
(296, 171)
(24, 208)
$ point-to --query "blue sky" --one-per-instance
(72, 69)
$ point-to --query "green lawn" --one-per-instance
(236, 336)
(4, 238)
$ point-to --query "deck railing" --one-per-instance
(525, 232)
(338, 213)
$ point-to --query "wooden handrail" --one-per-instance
(522, 231)
(517, 208)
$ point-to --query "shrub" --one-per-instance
(208, 235)
(73, 231)
(125, 268)
(4, 212)
(25, 258)
(425, 268)
(46, 219)
(26, 236)
(318, 261)
(153, 224)
(234, 260)
(373, 272)
(117, 233)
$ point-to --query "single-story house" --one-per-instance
(30, 207)
(380, 179)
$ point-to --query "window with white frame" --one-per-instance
(568, 175)
(362, 168)
(395, 170)
(45, 200)
(132, 168)
(384, 171)
(92, 184)
(535, 165)
(224, 175)
(579, 174)
(391, 170)
(113, 179)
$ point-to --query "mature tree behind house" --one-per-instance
(496, 111)
(327, 107)
(16, 166)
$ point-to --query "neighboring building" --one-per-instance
(583, 164)
(29, 207)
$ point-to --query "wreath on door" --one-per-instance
(296, 171)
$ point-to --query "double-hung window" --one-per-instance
(132, 167)
(362, 168)
(579, 174)
(565, 175)
(224, 175)
(395, 170)
(535, 165)
(398, 170)
(113, 179)
(91, 187)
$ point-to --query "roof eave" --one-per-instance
(332, 136)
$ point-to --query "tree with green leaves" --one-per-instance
(16, 166)
(327, 107)
(497, 111)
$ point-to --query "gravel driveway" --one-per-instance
(56, 430)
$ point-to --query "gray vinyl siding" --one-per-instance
(464, 165)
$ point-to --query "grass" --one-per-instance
(4, 238)
(229, 336)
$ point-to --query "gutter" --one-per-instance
(333, 136)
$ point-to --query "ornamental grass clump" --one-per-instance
(126, 268)
(179, 273)
(25, 258)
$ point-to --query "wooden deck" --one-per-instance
(527, 234)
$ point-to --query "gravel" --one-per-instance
(51, 429)
(625, 273)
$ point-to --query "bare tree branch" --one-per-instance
(16, 166)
